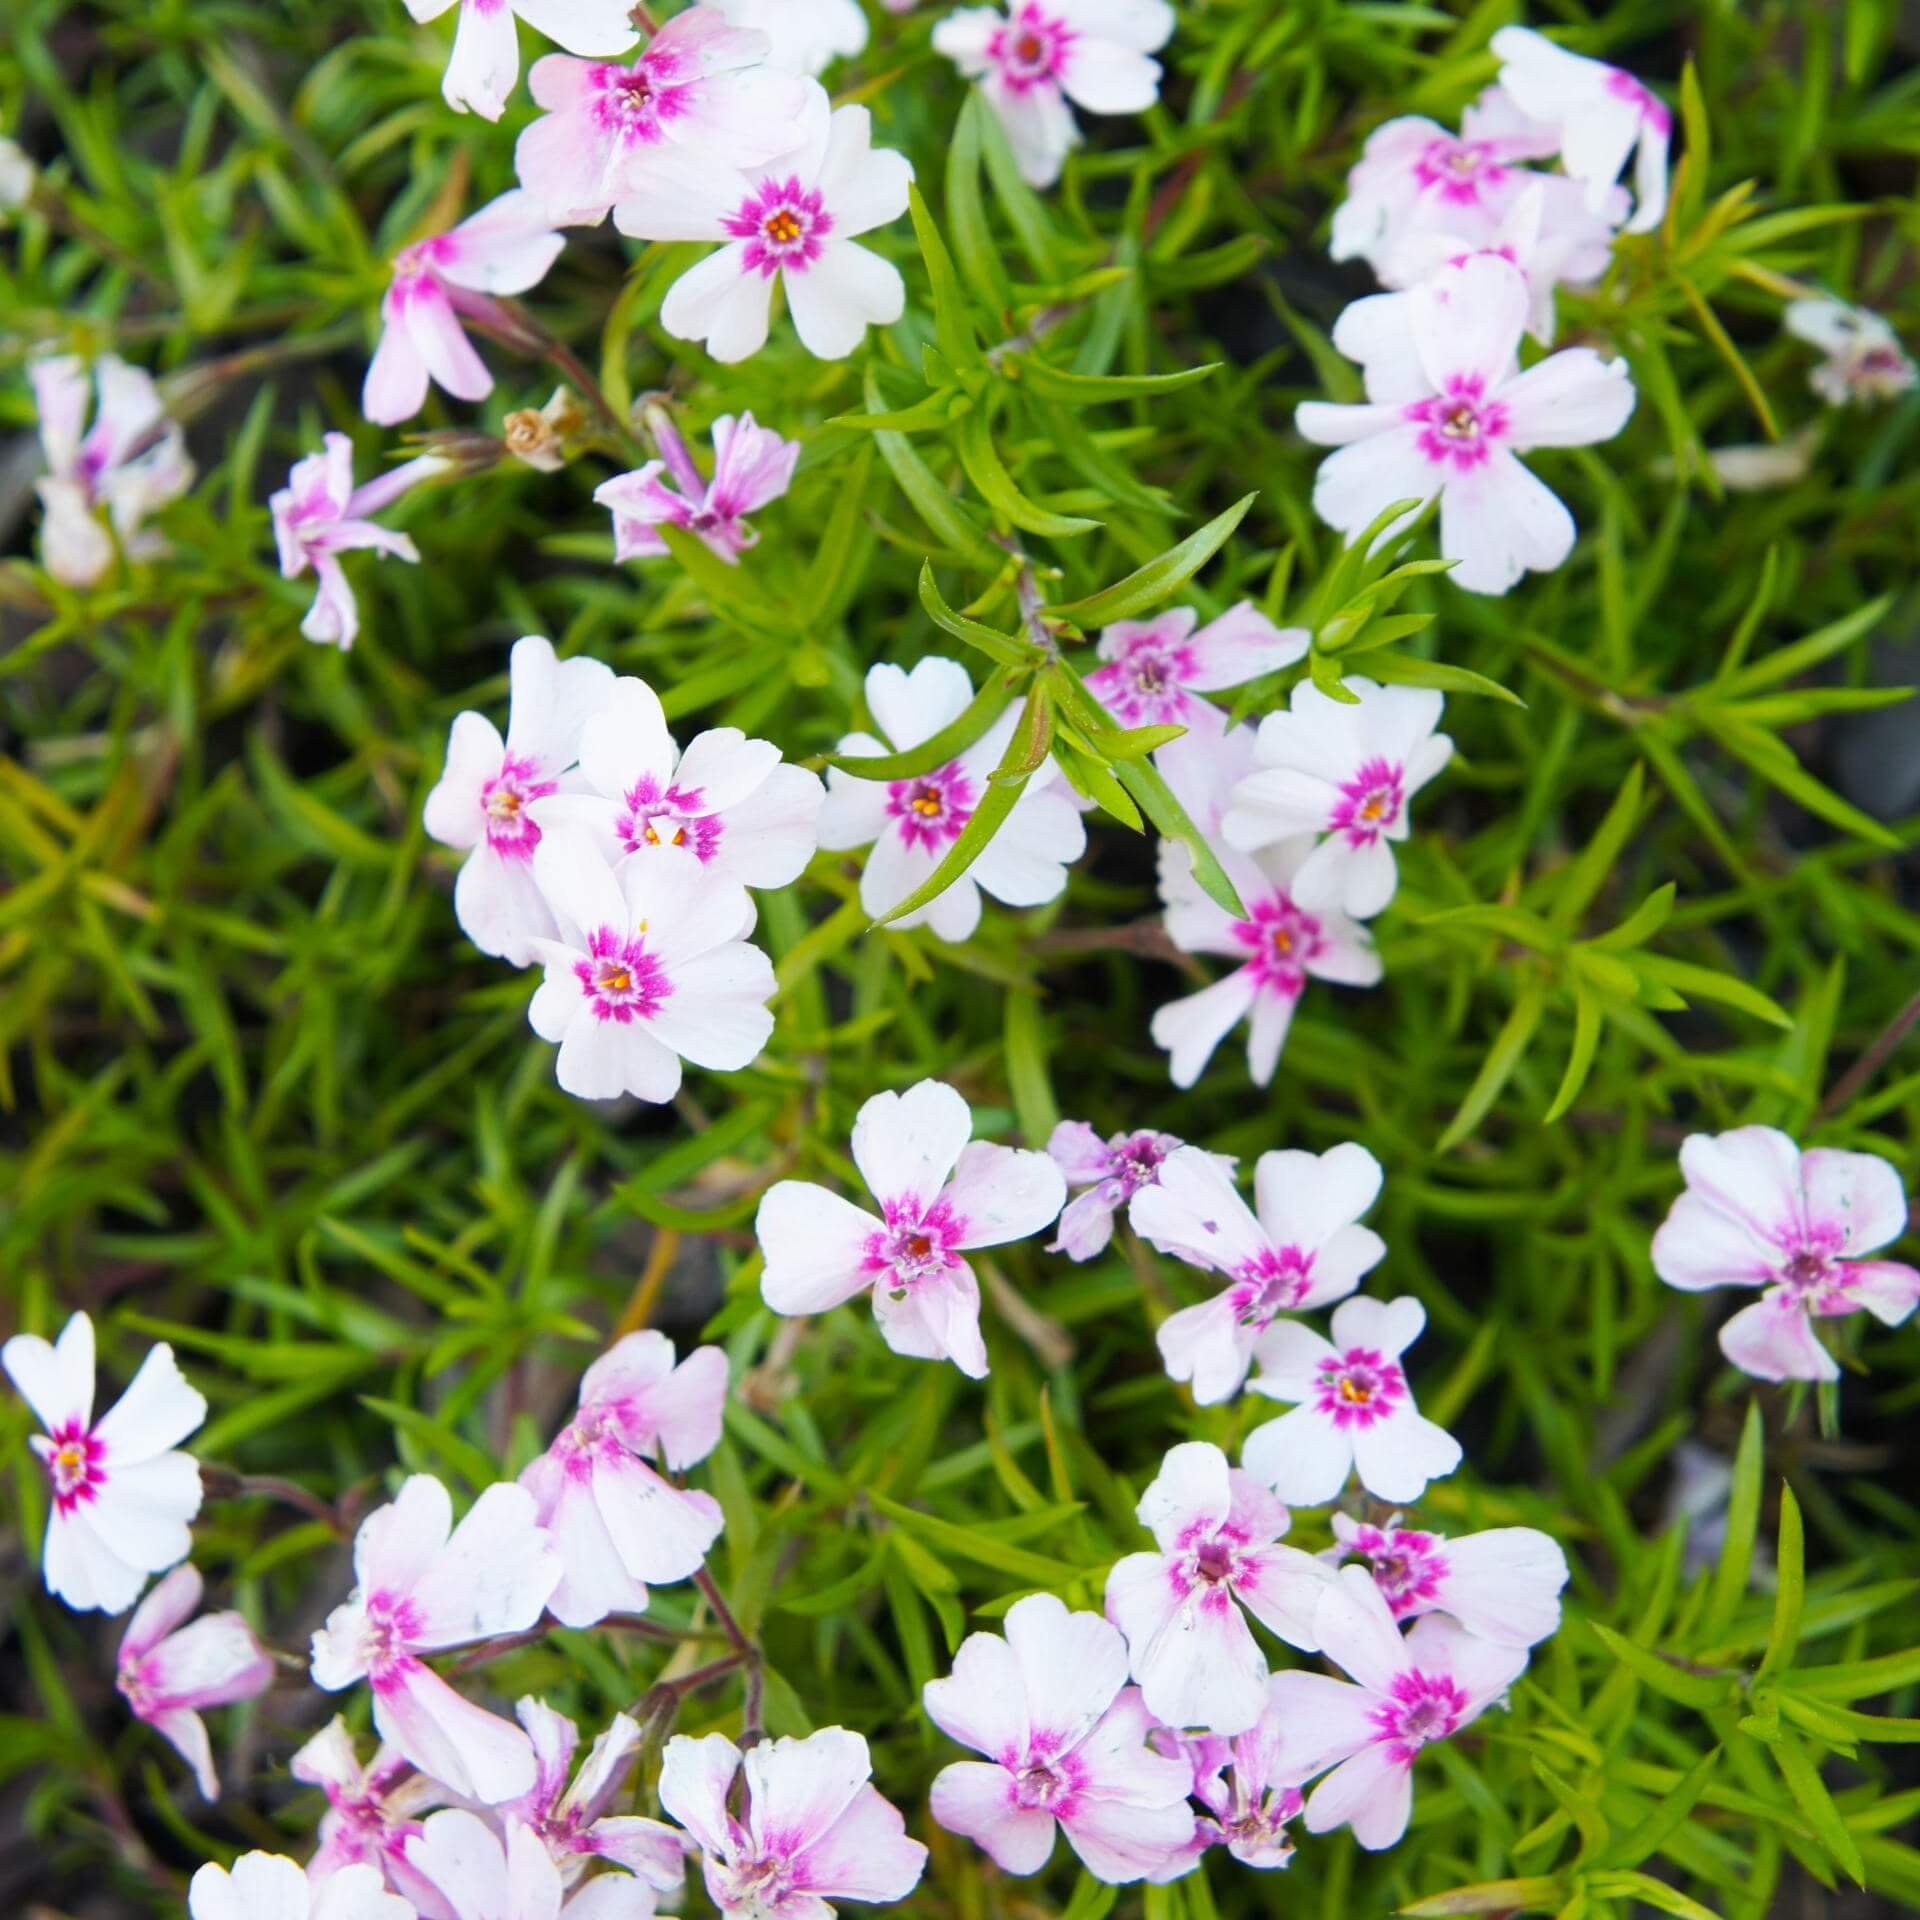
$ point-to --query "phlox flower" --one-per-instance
(1249, 1802)
(168, 1673)
(122, 1496)
(699, 84)
(1180, 1609)
(1865, 361)
(1501, 1585)
(1405, 1694)
(507, 1873)
(813, 1827)
(1304, 1249)
(483, 799)
(18, 176)
(1599, 114)
(269, 1886)
(1448, 413)
(422, 1585)
(751, 467)
(911, 824)
(1349, 772)
(649, 969)
(1066, 1745)
(743, 813)
(807, 36)
(1356, 1411)
(485, 61)
(939, 1196)
(616, 1523)
(505, 248)
(372, 1812)
(1758, 1212)
(320, 514)
(1112, 1173)
(126, 465)
(1036, 56)
(795, 220)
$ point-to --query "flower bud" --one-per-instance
(18, 176)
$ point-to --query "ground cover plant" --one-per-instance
(958, 958)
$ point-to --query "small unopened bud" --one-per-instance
(541, 437)
(457, 452)
(18, 176)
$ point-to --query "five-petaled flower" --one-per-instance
(618, 1525)
(1305, 1249)
(750, 468)
(1112, 1172)
(263, 1884)
(485, 61)
(122, 1495)
(1188, 1643)
(1865, 361)
(939, 1196)
(1758, 1212)
(1501, 1585)
(1356, 1411)
(1066, 1745)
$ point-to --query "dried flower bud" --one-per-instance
(540, 438)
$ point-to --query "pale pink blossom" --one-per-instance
(1180, 1609)
(1035, 57)
(1304, 1249)
(1406, 1694)
(1249, 1802)
(617, 1523)
(320, 514)
(812, 1827)
(743, 812)
(649, 969)
(1599, 115)
(1758, 1212)
(1501, 1585)
(1347, 771)
(1356, 1411)
(700, 84)
(485, 61)
(1112, 1172)
(1865, 361)
(170, 1673)
(104, 480)
(795, 220)
(912, 824)
(421, 1586)
(1448, 411)
(751, 467)
(806, 36)
(372, 1812)
(1065, 1740)
(506, 1872)
(505, 248)
(483, 800)
(269, 1886)
(122, 1497)
(939, 1197)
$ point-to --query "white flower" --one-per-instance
(807, 36)
(269, 1886)
(485, 61)
(1865, 360)
(482, 1874)
(17, 176)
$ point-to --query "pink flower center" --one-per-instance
(783, 225)
(1623, 86)
(621, 978)
(387, 1636)
(504, 801)
(1371, 803)
(669, 818)
(1031, 50)
(932, 811)
(1147, 685)
(913, 1247)
(1461, 425)
(1270, 1283)
(1459, 171)
(1359, 1387)
(1419, 1709)
(76, 1464)
(1134, 1164)
(630, 105)
(759, 1885)
(1280, 940)
(1051, 1783)
(1407, 1567)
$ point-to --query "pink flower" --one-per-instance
(939, 1196)
(1356, 1410)
(1038, 55)
(912, 824)
(483, 799)
(422, 1585)
(372, 1812)
(813, 1828)
(1408, 1693)
(751, 467)
(806, 36)
(617, 1524)
(169, 1673)
(122, 1497)
(648, 969)
(1598, 114)
(1865, 360)
(1239, 1782)
(1348, 771)
(1448, 412)
(699, 86)
(268, 1886)
(483, 1872)
(1759, 1213)
(1179, 1609)
(733, 803)
(1502, 1585)
(485, 61)
(1112, 1172)
(794, 220)
(320, 514)
(505, 248)
(1302, 1251)
(127, 465)
(1066, 1745)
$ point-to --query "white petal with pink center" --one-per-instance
(1502, 1585)
(1249, 1801)
(750, 468)
(269, 1886)
(1865, 361)
(1112, 1172)
(372, 1812)
(121, 1496)
(939, 1197)
(485, 61)
(1356, 1411)
(804, 36)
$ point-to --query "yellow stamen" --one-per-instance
(783, 228)
(1354, 1394)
